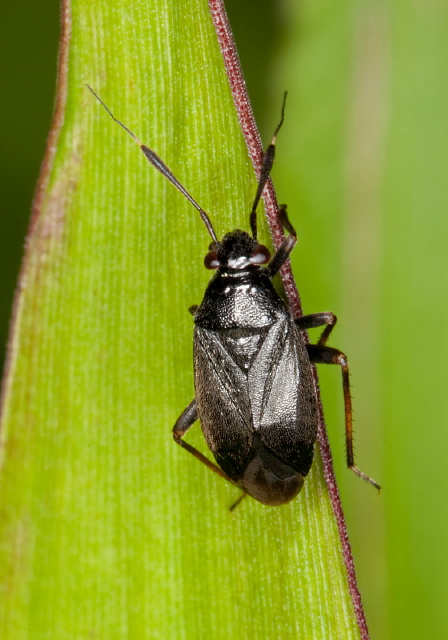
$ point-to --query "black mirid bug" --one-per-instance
(254, 391)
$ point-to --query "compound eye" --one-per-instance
(211, 260)
(261, 255)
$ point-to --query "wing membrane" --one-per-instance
(283, 399)
(223, 402)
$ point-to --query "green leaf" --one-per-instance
(108, 530)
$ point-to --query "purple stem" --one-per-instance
(255, 149)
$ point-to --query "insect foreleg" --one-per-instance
(288, 244)
(328, 355)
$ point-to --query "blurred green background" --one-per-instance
(363, 166)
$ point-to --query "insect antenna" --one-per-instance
(164, 170)
(268, 161)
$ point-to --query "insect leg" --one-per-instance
(187, 418)
(318, 320)
(328, 355)
(237, 502)
(282, 253)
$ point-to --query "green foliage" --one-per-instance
(361, 162)
(108, 530)
(363, 168)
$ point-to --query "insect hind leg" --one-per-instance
(320, 354)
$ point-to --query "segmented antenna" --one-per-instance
(268, 161)
(164, 170)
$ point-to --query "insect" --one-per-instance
(254, 390)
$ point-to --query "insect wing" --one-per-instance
(223, 402)
(283, 400)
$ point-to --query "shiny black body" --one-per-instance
(255, 393)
